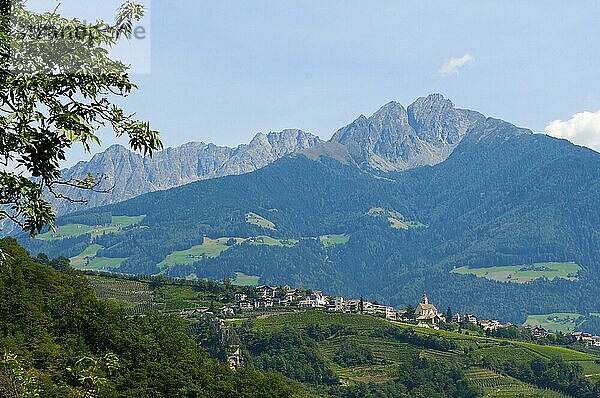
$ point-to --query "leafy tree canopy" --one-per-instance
(57, 88)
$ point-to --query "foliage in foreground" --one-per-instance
(57, 88)
(52, 320)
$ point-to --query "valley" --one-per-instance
(362, 223)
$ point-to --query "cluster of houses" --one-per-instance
(269, 296)
(586, 338)
(426, 314)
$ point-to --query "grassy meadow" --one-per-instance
(334, 240)
(79, 261)
(259, 221)
(74, 230)
(208, 248)
(555, 322)
(242, 279)
(396, 220)
(524, 273)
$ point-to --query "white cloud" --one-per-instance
(581, 129)
(452, 65)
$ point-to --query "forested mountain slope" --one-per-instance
(504, 197)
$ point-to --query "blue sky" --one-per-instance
(224, 70)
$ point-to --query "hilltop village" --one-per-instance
(273, 300)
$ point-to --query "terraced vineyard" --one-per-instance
(389, 352)
(505, 352)
(135, 297)
(124, 290)
(389, 349)
(495, 385)
(302, 319)
(177, 298)
(557, 352)
(139, 297)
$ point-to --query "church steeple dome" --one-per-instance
(425, 300)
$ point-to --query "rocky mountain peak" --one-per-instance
(397, 138)
(176, 166)
(392, 109)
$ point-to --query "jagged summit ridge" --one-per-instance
(133, 175)
(398, 138)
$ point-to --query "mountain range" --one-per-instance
(126, 174)
(393, 138)
(430, 198)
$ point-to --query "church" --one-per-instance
(427, 313)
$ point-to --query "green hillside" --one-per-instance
(59, 341)
(485, 361)
(503, 197)
(304, 354)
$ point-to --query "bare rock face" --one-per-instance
(130, 174)
(396, 138)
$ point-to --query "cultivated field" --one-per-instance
(524, 273)
(74, 230)
(333, 240)
(255, 219)
(555, 322)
